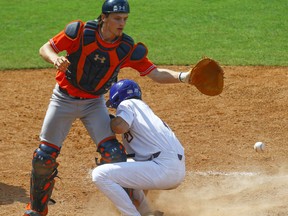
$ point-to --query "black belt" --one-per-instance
(155, 155)
(64, 91)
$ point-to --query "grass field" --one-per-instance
(176, 33)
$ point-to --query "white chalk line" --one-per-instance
(222, 173)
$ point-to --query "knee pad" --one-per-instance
(44, 170)
(44, 160)
(112, 151)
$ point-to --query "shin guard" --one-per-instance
(44, 170)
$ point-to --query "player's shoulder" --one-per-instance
(92, 24)
(139, 50)
(133, 102)
(73, 28)
(129, 103)
(128, 39)
(125, 103)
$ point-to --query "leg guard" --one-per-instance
(111, 151)
(44, 170)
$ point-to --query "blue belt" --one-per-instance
(155, 155)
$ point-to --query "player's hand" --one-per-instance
(61, 63)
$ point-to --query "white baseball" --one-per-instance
(259, 146)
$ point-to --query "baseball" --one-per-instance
(259, 146)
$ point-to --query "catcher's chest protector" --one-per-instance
(94, 67)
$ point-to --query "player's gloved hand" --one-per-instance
(207, 76)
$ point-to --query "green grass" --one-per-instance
(176, 32)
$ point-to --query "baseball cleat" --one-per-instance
(31, 213)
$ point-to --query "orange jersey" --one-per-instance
(95, 63)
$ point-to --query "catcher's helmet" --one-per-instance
(115, 6)
(123, 90)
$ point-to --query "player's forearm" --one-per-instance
(118, 125)
(47, 53)
(162, 75)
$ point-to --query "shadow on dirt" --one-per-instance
(10, 194)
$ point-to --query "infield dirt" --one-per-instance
(225, 176)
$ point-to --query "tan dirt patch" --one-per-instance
(225, 176)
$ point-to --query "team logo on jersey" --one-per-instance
(97, 57)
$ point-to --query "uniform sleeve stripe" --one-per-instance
(53, 46)
(148, 70)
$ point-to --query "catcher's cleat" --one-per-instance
(30, 212)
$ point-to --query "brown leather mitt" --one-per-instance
(208, 77)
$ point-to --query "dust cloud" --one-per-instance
(226, 195)
(215, 194)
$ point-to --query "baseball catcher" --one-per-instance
(207, 76)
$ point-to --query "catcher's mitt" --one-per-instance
(208, 77)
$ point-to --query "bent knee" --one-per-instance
(99, 175)
(44, 160)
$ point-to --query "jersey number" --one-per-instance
(128, 136)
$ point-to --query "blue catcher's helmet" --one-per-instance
(122, 90)
(115, 6)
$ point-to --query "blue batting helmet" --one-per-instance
(123, 90)
(115, 6)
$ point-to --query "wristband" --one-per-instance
(179, 77)
(183, 77)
